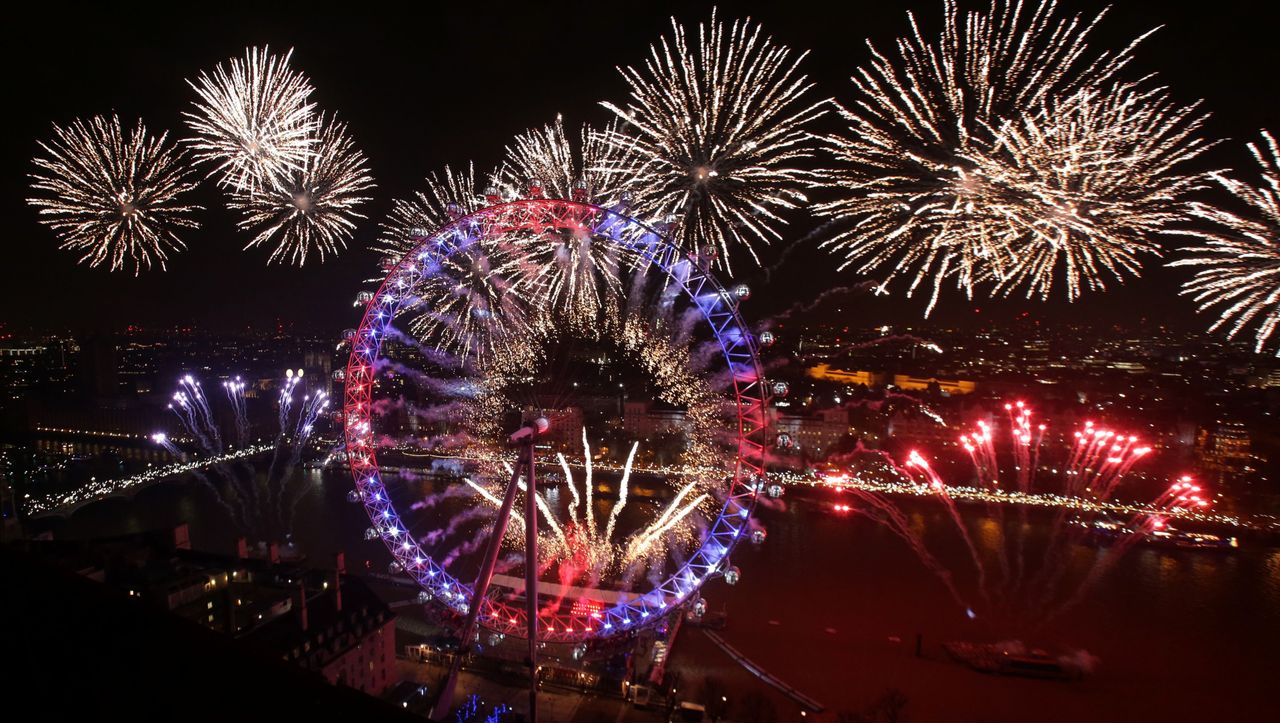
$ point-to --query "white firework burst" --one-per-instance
(546, 161)
(1000, 153)
(449, 195)
(114, 199)
(577, 272)
(476, 304)
(1085, 188)
(715, 136)
(1237, 260)
(253, 120)
(311, 209)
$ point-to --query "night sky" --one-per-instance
(453, 82)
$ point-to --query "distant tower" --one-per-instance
(318, 364)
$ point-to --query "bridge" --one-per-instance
(64, 504)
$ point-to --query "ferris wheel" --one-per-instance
(412, 316)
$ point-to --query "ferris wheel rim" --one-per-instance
(737, 345)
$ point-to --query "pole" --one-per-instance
(445, 701)
(531, 576)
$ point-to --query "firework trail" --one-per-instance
(204, 415)
(580, 549)
(573, 489)
(198, 417)
(896, 522)
(260, 514)
(1001, 153)
(622, 493)
(235, 514)
(310, 210)
(1099, 459)
(285, 401)
(588, 486)
(313, 405)
(1092, 465)
(163, 440)
(802, 308)
(1237, 262)
(235, 394)
(276, 482)
(191, 408)
(1026, 445)
(1183, 494)
(714, 135)
(253, 120)
(894, 339)
(113, 199)
(539, 501)
(184, 409)
(916, 461)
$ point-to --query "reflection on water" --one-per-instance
(1181, 634)
(1168, 625)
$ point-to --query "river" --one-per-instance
(832, 604)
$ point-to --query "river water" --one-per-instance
(832, 603)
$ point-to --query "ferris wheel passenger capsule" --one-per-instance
(774, 490)
(742, 291)
(579, 192)
(395, 568)
(454, 211)
(766, 338)
(492, 195)
(732, 575)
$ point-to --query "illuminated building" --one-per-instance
(643, 422)
(825, 372)
(566, 425)
(814, 436)
(1227, 448)
(948, 387)
(323, 621)
(921, 429)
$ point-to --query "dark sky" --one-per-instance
(452, 82)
